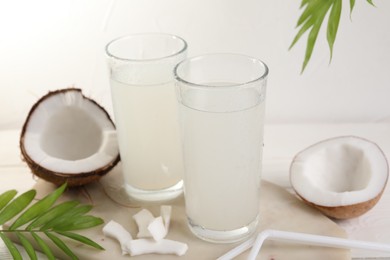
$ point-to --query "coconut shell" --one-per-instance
(346, 212)
(58, 178)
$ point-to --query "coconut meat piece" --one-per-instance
(339, 172)
(149, 246)
(118, 232)
(70, 134)
(155, 229)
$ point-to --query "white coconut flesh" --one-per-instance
(339, 172)
(68, 133)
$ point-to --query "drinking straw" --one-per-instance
(302, 238)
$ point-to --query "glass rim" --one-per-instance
(127, 36)
(262, 76)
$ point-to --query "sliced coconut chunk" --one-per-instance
(117, 231)
(166, 212)
(149, 226)
(344, 177)
(148, 246)
(157, 229)
(143, 218)
(68, 137)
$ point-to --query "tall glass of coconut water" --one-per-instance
(221, 103)
(145, 109)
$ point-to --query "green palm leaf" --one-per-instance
(61, 245)
(11, 247)
(69, 216)
(45, 248)
(351, 5)
(6, 197)
(308, 12)
(38, 208)
(16, 206)
(333, 24)
(311, 19)
(80, 222)
(81, 239)
(44, 218)
(27, 246)
(317, 18)
(52, 214)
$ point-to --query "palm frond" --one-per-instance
(11, 247)
(311, 19)
(43, 218)
(38, 208)
(351, 5)
(333, 24)
(16, 206)
(27, 246)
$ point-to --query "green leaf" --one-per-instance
(38, 208)
(351, 6)
(80, 238)
(27, 246)
(61, 245)
(333, 24)
(6, 197)
(16, 206)
(311, 40)
(310, 11)
(303, 29)
(312, 17)
(52, 214)
(42, 244)
(79, 222)
(71, 214)
(11, 247)
(303, 3)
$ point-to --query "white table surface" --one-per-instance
(282, 142)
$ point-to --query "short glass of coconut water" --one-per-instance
(145, 109)
(221, 112)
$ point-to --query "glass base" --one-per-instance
(155, 195)
(114, 187)
(226, 236)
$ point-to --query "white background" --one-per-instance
(52, 44)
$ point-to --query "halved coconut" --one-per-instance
(68, 137)
(343, 177)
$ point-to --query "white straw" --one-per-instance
(238, 250)
(300, 238)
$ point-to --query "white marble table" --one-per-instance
(282, 142)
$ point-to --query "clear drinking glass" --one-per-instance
(221, 111)
(145, 109)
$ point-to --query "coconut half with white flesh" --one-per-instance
(343, 177)
(68, 137)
